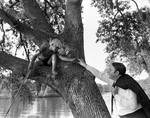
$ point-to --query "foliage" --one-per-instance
(145, 84)
(12, 83)
(54, 12)
(126, 34)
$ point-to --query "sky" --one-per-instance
(94, 52)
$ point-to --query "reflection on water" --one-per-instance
(54, 107)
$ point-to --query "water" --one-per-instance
(54, 107)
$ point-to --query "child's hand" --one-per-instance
(75, 60)
(61, 51)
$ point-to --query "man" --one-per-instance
(129, 98)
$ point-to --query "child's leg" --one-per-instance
(53, 60)
(37, 63)
(49, 62)
(39, 86)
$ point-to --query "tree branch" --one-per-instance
(74, 26)
(36, 16)
(19, 66)
(13, 4)
(39, 36)
(73, 13)
(12, 63)
(136, 4)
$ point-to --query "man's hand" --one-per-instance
(81, 62)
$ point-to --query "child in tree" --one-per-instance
(47, 55)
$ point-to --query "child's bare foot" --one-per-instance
(54, 73)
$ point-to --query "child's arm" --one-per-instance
(63, 53)
(30, 66)
(66, 58)
(41, 50)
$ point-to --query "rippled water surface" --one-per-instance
(53, 107)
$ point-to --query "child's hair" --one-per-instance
(56, 42)
(64, 49)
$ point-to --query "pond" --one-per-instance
(54, 107)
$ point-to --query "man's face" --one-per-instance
(112, 72)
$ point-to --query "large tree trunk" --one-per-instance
(74, 83)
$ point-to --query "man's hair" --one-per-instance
(119, 67)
